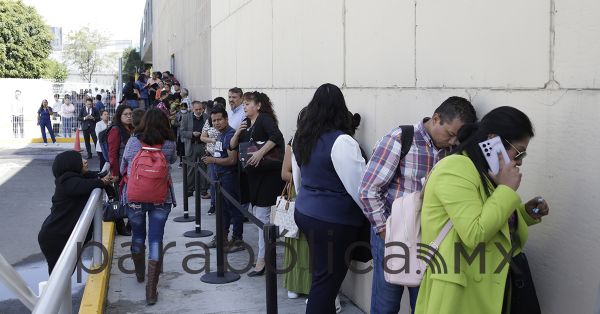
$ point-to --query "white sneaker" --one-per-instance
(338, 305)
(45, 144)
(292, 295)
(55, 143)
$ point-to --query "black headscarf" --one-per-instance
(69, 161)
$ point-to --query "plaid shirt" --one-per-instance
(388, 178)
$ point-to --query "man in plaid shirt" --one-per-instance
(387, 178)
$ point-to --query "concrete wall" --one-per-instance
(182, 29)
(397, 60)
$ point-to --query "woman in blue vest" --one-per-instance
(44, 114)
(328, 210)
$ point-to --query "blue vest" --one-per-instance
(322, 195)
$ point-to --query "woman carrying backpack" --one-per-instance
(149, 191)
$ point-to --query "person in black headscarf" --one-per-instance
(74, 184)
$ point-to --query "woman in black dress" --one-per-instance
(74, 184)
(263, 167)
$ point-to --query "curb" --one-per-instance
(58, 140)
(94, 295)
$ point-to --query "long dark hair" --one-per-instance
(327, 111)
(265, 103)
(154, 128)
(509, 123)
(116, 120)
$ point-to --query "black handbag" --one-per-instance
(523, 298)
(273, 159)
(113, 210)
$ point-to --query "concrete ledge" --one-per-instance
(58, 140)
(94, 295)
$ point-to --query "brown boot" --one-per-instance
(139, 262)
(153, 272)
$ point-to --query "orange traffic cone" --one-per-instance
(77, 146)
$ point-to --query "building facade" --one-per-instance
(398, 60)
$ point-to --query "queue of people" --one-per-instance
(339, 192)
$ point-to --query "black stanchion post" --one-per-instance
(186, 216)
(270, 232)
(221, 275)
(197, 232)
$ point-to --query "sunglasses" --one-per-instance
(520, 154)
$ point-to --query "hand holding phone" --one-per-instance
(490, 149)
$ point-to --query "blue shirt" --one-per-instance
(44, 114)
(99, 106)
(221, 147)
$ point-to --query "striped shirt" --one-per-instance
(387, 177)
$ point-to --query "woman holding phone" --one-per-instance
(485, 211)
(261, 130)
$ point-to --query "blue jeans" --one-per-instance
(231, 214)
(157, 217)
(46, 124)
(385, 297)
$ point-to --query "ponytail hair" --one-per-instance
(265, 103)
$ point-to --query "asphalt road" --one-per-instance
(26, 188)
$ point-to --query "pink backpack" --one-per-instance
(149, 179)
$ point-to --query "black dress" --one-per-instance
(263, 187)
(72, 192)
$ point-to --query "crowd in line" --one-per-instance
(340, 192)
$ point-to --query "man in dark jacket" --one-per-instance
(88, 117)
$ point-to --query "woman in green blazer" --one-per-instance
(486, 213)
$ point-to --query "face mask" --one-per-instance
(183, 110)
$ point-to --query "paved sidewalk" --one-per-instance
(182, 292)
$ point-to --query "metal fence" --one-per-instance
(56, 297)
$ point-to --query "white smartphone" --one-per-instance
(490, 149)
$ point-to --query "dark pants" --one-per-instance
(102, 161)
(327, 243)
(198, 151)
(52, 246)
(213, 176)
(46, 124)
(231, 214)
(86, 138)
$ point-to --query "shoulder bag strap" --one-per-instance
(406, 139)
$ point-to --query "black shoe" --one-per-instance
(89, 156)
(235, 245)
(121, 228)
(190, 194)
(211, 210)
(205, 196)
(255, 273)
(246, 220)
(213, 243)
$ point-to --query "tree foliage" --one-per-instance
(56, 71)
(24, 41)
(82, 49)
(132, 63)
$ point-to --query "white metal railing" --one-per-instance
(56, 297)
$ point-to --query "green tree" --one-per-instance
(132, 63)
(82, 49)
(24, 41)
(56, 71)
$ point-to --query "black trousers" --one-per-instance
(52, 246)
(327, 243)
(86, 137)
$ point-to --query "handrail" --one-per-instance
(55, 294)
(16, 284)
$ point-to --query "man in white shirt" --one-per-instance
(56, 108)
(236, 114)
(17, 115)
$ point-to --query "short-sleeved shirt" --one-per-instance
(212, 134)
(221, 147)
